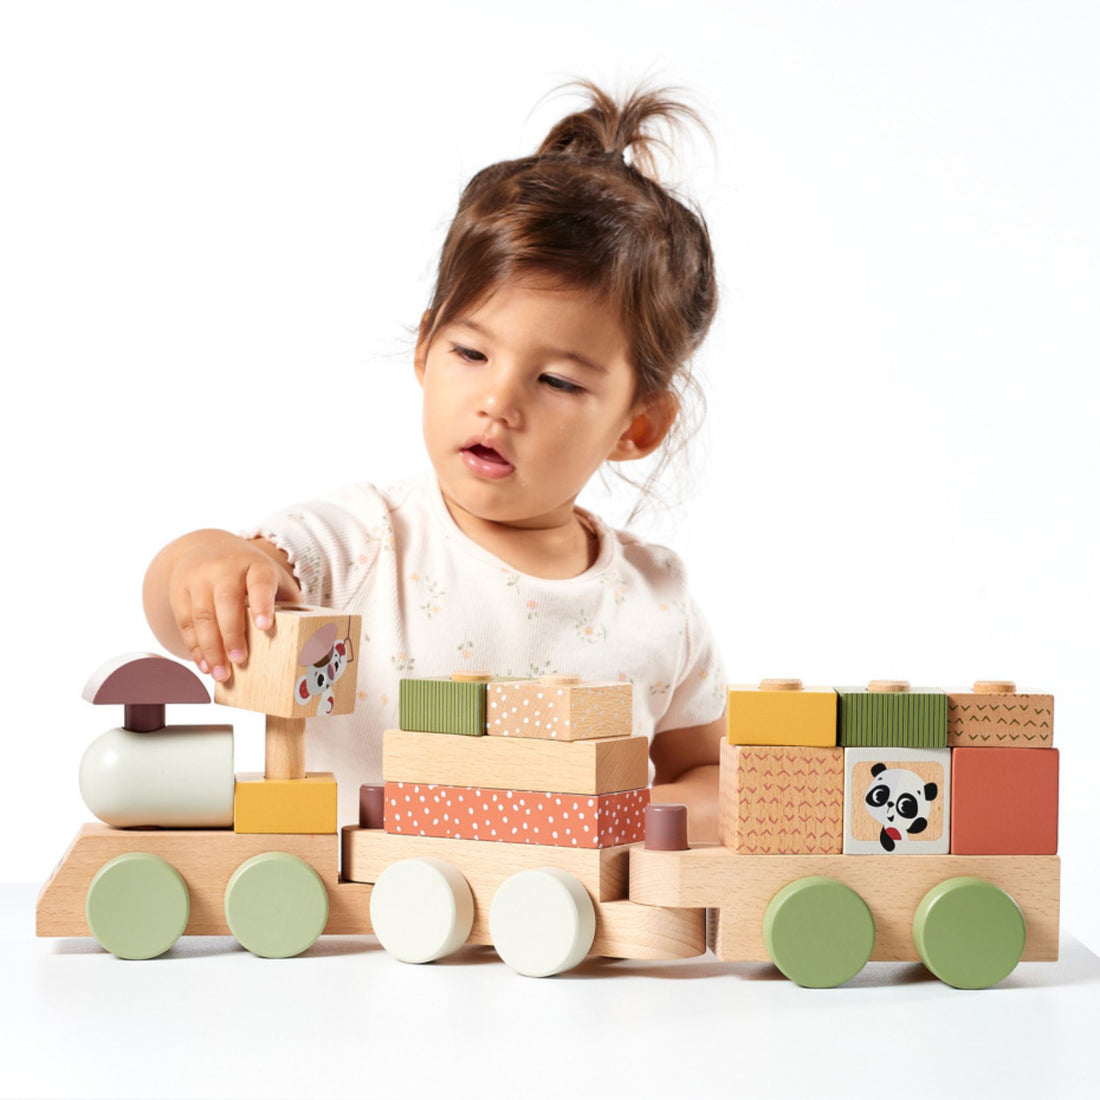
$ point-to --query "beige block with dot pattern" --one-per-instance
(559, 708)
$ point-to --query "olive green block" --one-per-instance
(819, 932)
(137, 906)
(969, 933)
(443, 706)
(276, 905)
(915, 719)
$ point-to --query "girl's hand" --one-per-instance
(197, 590)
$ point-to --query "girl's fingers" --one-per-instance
(181, 605)
(229, 614)
(262, 584)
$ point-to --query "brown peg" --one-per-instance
(666, 827)
(888, 687)
(471, 676)
(372, 806)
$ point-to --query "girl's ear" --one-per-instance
(420, 357)
(647, 430)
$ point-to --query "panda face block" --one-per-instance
(897, 801)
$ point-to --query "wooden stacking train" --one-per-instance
(855, 824)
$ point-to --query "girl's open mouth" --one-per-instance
(486, 462)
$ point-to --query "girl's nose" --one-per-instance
(500, 399)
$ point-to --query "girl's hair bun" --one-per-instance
(607, 128)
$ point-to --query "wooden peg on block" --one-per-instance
(284, 748)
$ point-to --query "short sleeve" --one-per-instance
(333, 542)
(699, 696)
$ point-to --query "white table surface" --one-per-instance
(208, 1019)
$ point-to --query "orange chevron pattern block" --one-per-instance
(1002, 720)
(781, 799)
(517, 817)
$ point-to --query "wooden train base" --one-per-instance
(645, 904)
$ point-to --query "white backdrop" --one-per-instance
(218, 224)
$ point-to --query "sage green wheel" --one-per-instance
(819, 932)
(969, 933)
(276, 905)
(137, 906)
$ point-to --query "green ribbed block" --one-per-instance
(443, 706)
(915, 719)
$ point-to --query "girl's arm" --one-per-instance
(686, 770)
(196, 590)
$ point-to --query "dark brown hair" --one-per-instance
(579, 211)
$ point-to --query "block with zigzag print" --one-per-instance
(781, 799)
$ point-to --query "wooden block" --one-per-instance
(911, 717)
(367, 853)
(781, 800)
(303, 667)
(306, 805)
(1004, 801)
(781, 712)
(560, 708)
(207, 860)
(516, 817)
(575, 767)
(897, 801)
(1000, 718)
(741, 887)
(456, 705)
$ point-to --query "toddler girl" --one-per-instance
(572, 290)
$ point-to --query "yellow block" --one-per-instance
(285, 805)
(760, 717)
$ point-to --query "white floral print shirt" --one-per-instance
(433, 601)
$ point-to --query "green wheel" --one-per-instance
(276, 905)
(819, 932)
(969, 933)
(137, 906)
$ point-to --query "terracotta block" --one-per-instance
(781, 800)
(1004, 801)
(896, 715)
(285, 805)
(897, 801)
(303, 667)
(781, 712)
(560, 708)
(1004, 719)
(516, 817)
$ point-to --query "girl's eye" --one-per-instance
(561, 384)
(469, 354)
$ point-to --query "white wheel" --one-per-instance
(542, 922)
(421, 909)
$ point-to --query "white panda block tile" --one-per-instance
(897, 801)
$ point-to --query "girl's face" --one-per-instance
(525, 396)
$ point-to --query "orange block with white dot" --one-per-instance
(517, 817)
